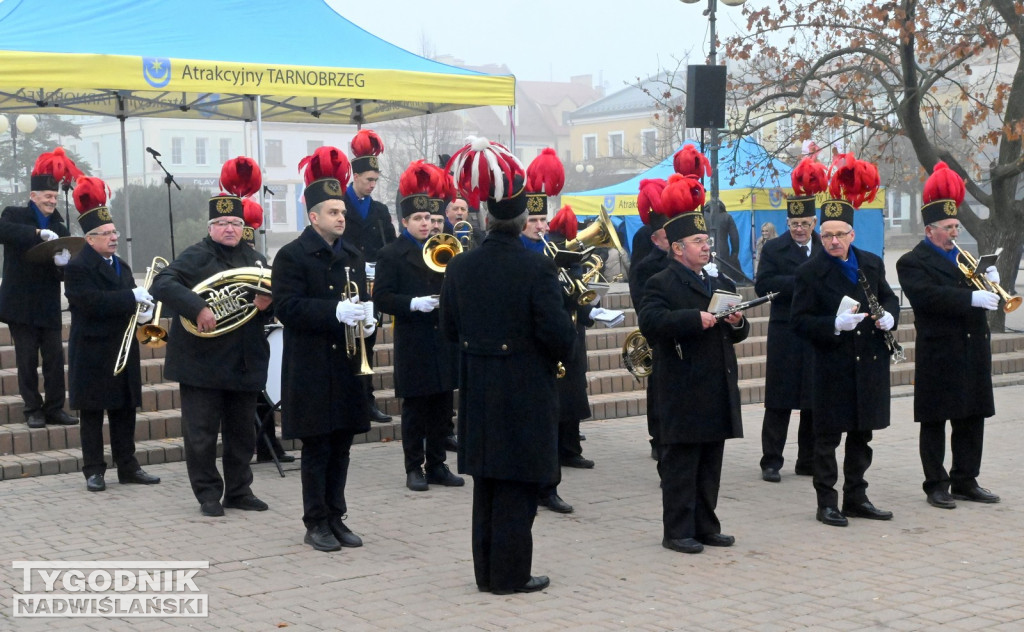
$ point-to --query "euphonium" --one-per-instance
(969, 267)
(599, 235)
(229, 295)
(439, 250)
(155, 266)
(466, 236)
(637, 356)
(356, 331)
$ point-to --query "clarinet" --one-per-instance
(875, 308)
(739, 307)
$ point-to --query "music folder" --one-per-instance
(722, 300)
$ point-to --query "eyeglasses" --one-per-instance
(700, 241)
(106, 233)
(948, 229)
(840, 235)
(223, 223)
(805, 225)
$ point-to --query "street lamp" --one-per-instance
(24, 123)
(580, 168)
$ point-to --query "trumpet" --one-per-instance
(352, 346)
(155, 266)
(228, 295)
(463, 231)
(439, 250)
(969, 266)
(575, 288)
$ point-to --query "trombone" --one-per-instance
(352, 346)
(155, 266)
(463, 231)
(969, 267)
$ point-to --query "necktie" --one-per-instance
(807, 250)
(110, 261)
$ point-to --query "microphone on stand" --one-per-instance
(154, 152)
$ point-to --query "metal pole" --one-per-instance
(124, 189)
(259, 161)
(713, 61)
(14, 151)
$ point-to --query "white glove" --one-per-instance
(369, 328)
(368, 315)
(62, 257)
(142, 295)
(985, 300)
(886, 322)
(348, 312)
(423, 304)
(47, 235)
(848, 321)
(712, 269)
(147, 315)
(992, 274)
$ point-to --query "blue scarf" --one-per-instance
(116, 264)
(362, 206)
(408, 235)
(848, 267)
(948, 256)
(43, 221)
(536, 245)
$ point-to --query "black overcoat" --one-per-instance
(790, 357)
(851, 370)
(503, 306)
(236, 361)
(697, 395)
(371, 234)
(573, 403)
(425, 361)
(30, 292)
(101, 304)
(320, 391)
(953, 352)
(641, 271)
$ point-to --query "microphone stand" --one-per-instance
(168, 179)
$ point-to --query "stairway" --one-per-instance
(614, 393)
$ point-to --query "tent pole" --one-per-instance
(512, 128)
(259, 161)
(124, 190)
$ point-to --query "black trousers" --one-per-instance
(568, 446)
(691, 474)
(503, 513)
(325, 460)
(122, 441)
(29, 342)
(425, 422)
(653, 423)
(205, 412)
(774, 429)
(965, 444)
(855, 464)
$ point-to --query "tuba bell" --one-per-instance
(439, 250)
(637, 356)
(229, 295)
(600, 234)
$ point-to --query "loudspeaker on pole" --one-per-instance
(705, 97)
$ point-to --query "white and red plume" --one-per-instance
(482, 168)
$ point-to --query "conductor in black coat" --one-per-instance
(30, 301)
(102, 297)
(220, 377)
(323, 396)
(502, 305)
(790, 358)
(697, 394)
(425, 361)
(953, 367)
(851, 362)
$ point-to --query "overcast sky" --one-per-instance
(543, 40)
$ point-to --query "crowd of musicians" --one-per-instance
(490, 321)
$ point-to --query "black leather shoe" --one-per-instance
(61, 418)
(36, 420)
(578, 462)
(555, 503)
(654, 453)
(138, 477)
(941, 499)
(416, 481)
(716, 539)
(771, 475)
(451, 443)
(976, 494)
(320, 538)
(866, 510)
(583, 437)
(246, 503)
(441, 475)
(343, 534)
(540, 582)
(832, 517)
(377, 415)
(483, 588)
(683, 545)
(211, 508)
(95, 483)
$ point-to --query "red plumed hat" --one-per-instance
(252, 213)
(326, 174)
(421, 186)
(855, 181)
(52, 169)
(485, 170)
(649, 204)
(809, 178)
(445, 185)
(690, 162)
(564, 223)
(366, 146)
(943, 194)
(90, 197)
(241, 177)
(680, 200)
(545, 174)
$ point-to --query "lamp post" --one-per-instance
(26, 124)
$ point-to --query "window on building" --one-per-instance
(589, 147)
(276, 207)
(615, 144)
(313, 145)
(225, 150)
(201, 150)
(177, 151)
(273, 150)
(99, 156)
(648, 142)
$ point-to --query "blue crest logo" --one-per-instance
(609, 203)
(775, 197)
(156, 71)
